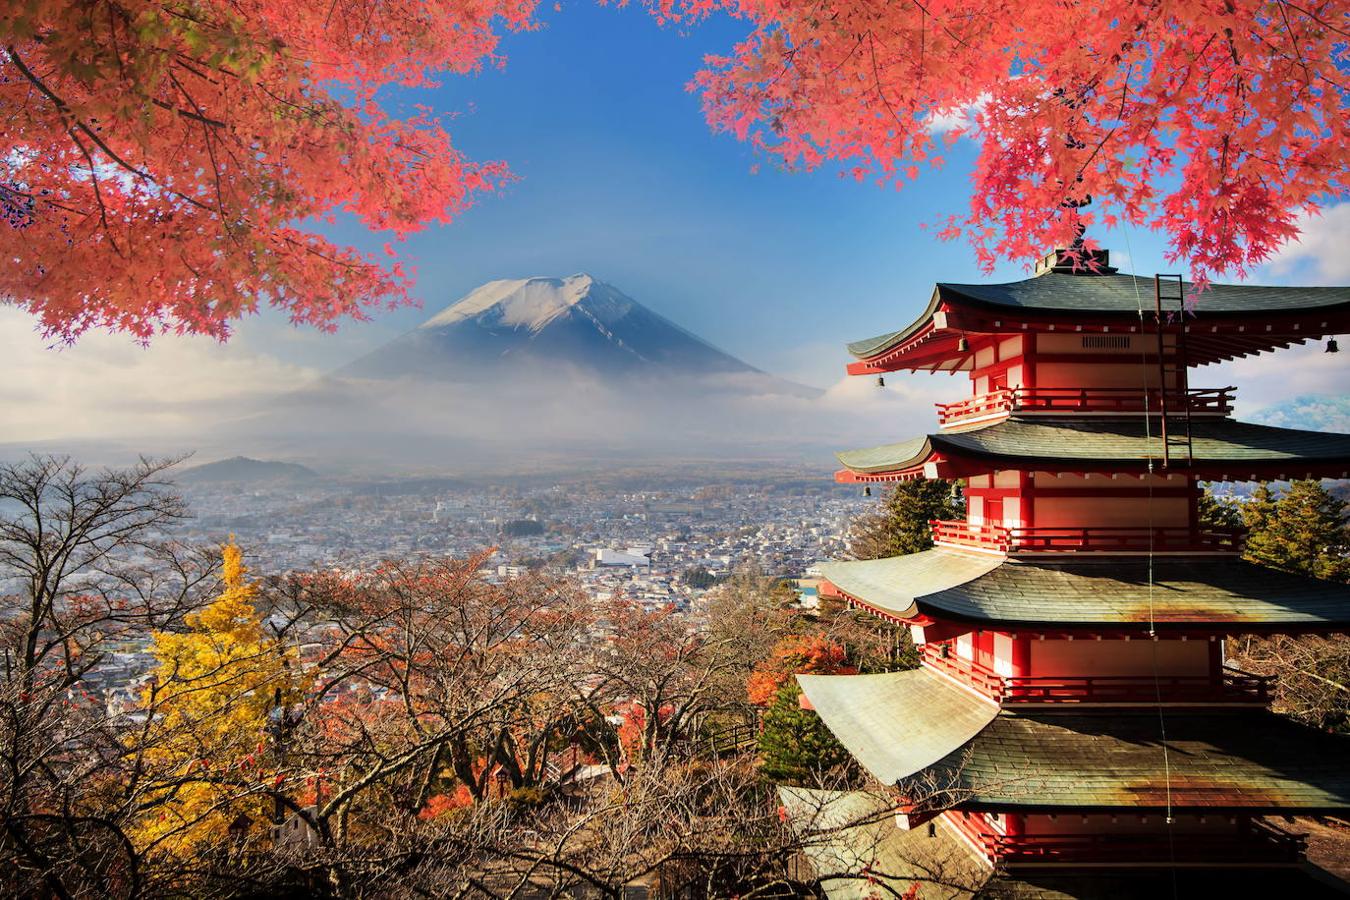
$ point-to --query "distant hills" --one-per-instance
(242, 469)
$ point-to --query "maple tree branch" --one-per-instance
(74, 122)
(1316, 18)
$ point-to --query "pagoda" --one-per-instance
(1073, 721)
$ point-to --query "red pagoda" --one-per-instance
(1073, 729)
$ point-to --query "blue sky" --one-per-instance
(621, 177)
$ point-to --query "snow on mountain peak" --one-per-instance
(533, 303)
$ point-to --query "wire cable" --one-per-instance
(1152, 625)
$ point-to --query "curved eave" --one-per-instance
(1200, 595)
(1220, 449)
(898, 584)
(889, 459)
(1227, 323)
(897, 723)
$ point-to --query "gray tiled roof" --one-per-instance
(1124, 293)
(1123, 443)
(1111, 295)
(1251, 760)
(894, 584)
(897, 723)
(1107, 590)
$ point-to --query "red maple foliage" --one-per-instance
(796, 654)
(1214, 121)
(166, 167)
(163, 166)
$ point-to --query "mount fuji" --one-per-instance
(539, 326)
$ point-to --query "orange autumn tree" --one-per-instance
(214, 694)
(794, 745)
(1215, 122)
(164, 166)
(796, 654)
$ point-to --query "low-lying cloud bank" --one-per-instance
(109, 398)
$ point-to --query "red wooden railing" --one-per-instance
(1106, 539)
(964, 670)
(1197, 401)
(1232, 685)
(1257, 843)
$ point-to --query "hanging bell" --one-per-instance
(867, 490)
(962, 345)
(881, 381)
(1332, 347)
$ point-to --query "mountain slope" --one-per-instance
(541, 324)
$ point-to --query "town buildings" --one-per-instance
(1074, 724)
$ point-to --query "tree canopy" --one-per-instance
(1301, 529)
(1215, 123)
(168, 166)
(171, 167)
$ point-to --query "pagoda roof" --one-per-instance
(1084, 299)
(1101, 591)
(939, 742)
(1228, 449)
(1253, 760)
(851, 841)
(897, 723)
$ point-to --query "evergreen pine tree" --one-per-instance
(795, 747)
(900, 526)
(1301, 530)
(1218, 512)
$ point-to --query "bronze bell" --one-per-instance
(962, 345)
(881, 381)
(1332, 347)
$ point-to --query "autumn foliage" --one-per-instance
(216, 690)
(168, 167)
(797, 654)
(1215, 122)
(164, 166)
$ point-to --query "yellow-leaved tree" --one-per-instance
(217, 692)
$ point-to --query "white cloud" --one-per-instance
(107, 387)
(1273, 378)
(1322, 254)
(962, 118)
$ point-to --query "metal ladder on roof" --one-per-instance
(1169, 298)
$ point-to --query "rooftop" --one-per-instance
(1252, 760)
(1224, 448)
(850, 840)
(1217, 322)
(1103, 592)
(897, 723)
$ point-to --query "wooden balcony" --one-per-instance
(1090, 401)
(1257, 842)
(1231, 687)
(1073, 539)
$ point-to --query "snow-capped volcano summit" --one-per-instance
(534, 302)
(543, 325)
